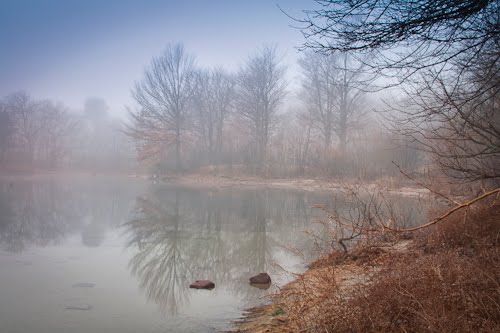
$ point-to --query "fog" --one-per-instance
(69, 51)
(256, 91)
(72, 106)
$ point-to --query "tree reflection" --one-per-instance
(161, 262)
(181, 235)
(45, 212)
(30, 216)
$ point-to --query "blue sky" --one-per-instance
(68, 50)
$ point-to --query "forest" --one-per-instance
(188, 119)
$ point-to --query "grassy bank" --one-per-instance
(446, 278)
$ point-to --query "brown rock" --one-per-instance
(261, 278)
(261, 285)
(202, 284)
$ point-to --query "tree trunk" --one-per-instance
(178, 149)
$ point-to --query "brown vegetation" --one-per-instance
(446, 279)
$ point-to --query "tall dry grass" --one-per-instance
(446, 280)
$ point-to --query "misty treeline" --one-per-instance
(250, 121)
(189, 118)
(440, 59)
(40, 134)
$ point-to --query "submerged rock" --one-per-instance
(202, 284)
(261, 278)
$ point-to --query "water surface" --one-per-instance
(100, 254)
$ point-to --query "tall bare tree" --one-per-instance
(351, 112)
(6, 130)
(27, 117)
(319, 91)
(261, 88)
(162, 97)
(331, 91)
(213, 101)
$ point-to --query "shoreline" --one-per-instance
(415, 282)
(301, 184)
(347, 273)
(398, 186)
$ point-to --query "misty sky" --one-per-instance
(68, 50)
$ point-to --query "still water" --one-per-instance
(117, 255)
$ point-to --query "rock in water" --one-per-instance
(202, 284)
(261, 278)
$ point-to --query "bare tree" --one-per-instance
(350, 98)
(27, 117)
(331, 91)
(445, 54)
(162, 97)
(319, 91)
(461, 130)
(261, 88)
(213, 100)
(40, 130)
(6, 130)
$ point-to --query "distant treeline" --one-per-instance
(40, 135)
(188, 118)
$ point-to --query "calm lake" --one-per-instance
(100, 254)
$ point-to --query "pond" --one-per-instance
(110, 254)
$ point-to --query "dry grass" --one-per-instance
(446, 279)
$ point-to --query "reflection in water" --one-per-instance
(43, 213)
(161, 261)
(182, 235)
(30, 215)
(173, 236)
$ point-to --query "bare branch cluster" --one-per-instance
(407, 36)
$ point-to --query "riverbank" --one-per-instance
(397, 185)
(393, 185)
(443, 279)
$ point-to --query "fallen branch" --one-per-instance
(448, 213)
